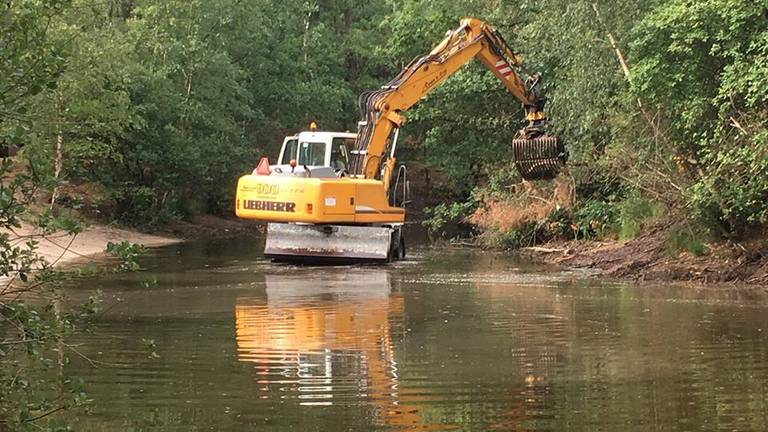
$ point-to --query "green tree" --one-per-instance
(30, 61)
(704, 65)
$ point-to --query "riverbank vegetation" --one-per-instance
(36, 318)
(663, 107)
(149, 110)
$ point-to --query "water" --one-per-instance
(449, 340)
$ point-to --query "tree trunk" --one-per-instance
(58, 142)
(312, 7)
(658, 134)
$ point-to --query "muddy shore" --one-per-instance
(646, 258)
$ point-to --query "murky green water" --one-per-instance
(452, 339)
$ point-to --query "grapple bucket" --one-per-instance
(327, 243)
(539, 158)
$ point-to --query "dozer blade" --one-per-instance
(327, 243)
(540, 158)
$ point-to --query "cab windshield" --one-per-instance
(311, 154)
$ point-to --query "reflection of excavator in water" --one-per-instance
(333, 338)
(338, 195)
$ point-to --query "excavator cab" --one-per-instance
(289, 150)
(314, 154)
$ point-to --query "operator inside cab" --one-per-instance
(339, 154)
(316, 154)
(312, 153)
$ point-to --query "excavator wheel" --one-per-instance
(539, 158)
(396, 246)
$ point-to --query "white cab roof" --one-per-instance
(324, 136)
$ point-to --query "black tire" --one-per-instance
(396, 247)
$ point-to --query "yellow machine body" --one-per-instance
(275, 198)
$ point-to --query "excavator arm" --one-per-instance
(536, 155)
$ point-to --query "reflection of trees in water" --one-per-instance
(489, 349)
(557, 354)
(457, 343)
(650, 356)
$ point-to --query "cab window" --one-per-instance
(289, 152)
(311, 154)
(340, 151)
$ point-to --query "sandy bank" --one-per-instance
(61, 248)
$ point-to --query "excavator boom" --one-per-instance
(537, 156)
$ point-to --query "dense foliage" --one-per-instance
(662, 99)
(164, 103)
(34, 322)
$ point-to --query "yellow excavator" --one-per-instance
(338, 196)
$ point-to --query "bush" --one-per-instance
(633, 213)
(501, 181)
(704, 61)
(560, 222)
(526, 234)
(594, 219)
(140, 206)
(438, 218)
(733, 192)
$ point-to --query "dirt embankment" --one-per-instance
(646, 258)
